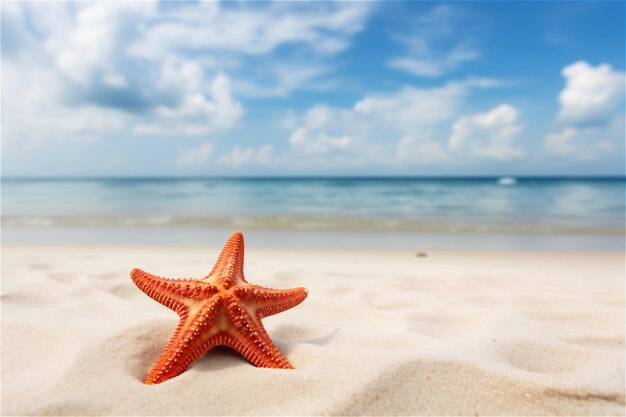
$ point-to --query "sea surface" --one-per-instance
(525, 206)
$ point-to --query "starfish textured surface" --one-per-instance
(219, 309)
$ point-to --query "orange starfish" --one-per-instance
(220, 309)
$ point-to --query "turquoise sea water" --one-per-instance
(477, 205)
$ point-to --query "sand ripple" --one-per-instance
(380, 334)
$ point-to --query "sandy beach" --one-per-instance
(381, 333)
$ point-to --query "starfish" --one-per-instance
(219, 309)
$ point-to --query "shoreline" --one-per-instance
(317, 239)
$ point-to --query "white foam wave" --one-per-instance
(507, 181)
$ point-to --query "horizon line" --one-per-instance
(311, 177)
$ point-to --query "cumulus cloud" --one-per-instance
(487, 135)
(433, 49)
(591, 114)
(197, 113)
(33, 116)
(88, 49)
(159, 69)
(404, 127)
(591, 94)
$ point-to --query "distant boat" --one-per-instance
(507, 181)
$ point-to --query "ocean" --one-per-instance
(419, 206)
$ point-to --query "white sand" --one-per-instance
(381, 333)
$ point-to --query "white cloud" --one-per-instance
(16, 39)
(198, 113)
(89, 47)
(591, 116)
(278, 79)
(33, 115)
(152, 70)
(197, 156)
(319, 117)
(316, 142)
(591, 94)
(244, 36)
(434, 64)
(487, 135)
(588, 142)
(323, 130)
(240, 156)
(237, 156)
(253, 29)
(432, 47)
(405, 127)
(411, 108)
(411, 151)
(564, 142)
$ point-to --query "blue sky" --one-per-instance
(324, 88)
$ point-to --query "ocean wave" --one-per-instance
(507, 181)
(283, 222)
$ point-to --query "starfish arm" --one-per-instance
(269, 301)
(176, 294)
(228, 269)
(252, 341)
(192, 338)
